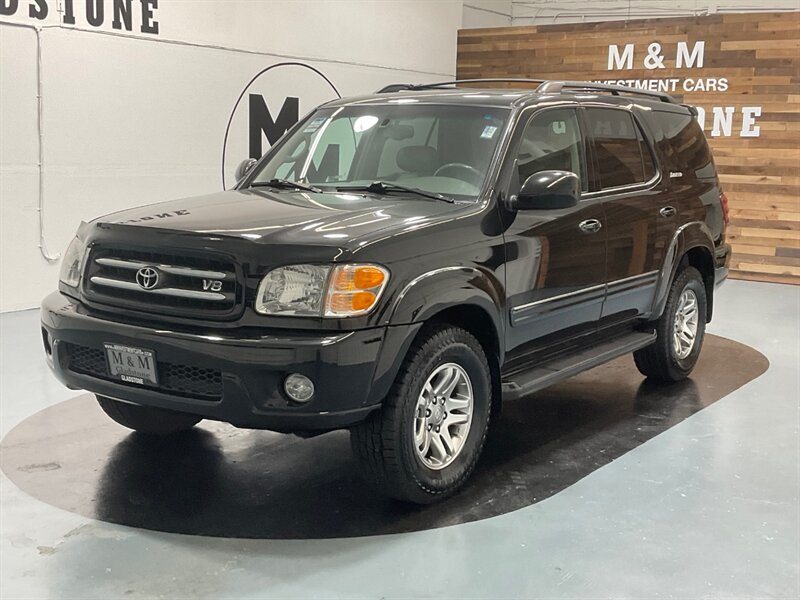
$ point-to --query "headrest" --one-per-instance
(417, 159)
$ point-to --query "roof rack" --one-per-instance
(556, 87)
(399, 87)
(545, 87)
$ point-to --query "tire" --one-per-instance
(146, 419)
(662, 361)
(385, 445)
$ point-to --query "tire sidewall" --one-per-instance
(439, 481)
(688, 279)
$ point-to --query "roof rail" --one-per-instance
(545, 87)
(556, 87)
(398, 87)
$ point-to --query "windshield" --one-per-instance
(438, 149)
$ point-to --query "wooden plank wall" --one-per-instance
(759, 54)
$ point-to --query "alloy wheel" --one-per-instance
(443, 416)
(684, 331)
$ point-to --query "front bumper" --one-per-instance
(351, 371)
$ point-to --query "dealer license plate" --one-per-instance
(131, 365)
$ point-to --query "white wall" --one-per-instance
(487, 13)
(131, 118)
(546, 12)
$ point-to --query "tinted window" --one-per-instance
(647, 157)
(683, 143)
(620, 152)
(552, 141)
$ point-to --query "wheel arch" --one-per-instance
(438, 291)
(702, 259)
(692, 245)
(477, 321)
(465, 297)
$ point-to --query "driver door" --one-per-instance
(556, 258)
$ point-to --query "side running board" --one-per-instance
(540, 376)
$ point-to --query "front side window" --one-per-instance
(435, 148)
(621, 155)
(551, 141)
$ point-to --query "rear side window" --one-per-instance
(621, 155)
(683, 143)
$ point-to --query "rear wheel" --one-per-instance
(680, 331)
(425, 441)
(146, 419)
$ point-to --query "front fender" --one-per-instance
(439, 289)
(421, 299)
(695, 234)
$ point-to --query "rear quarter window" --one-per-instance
(683, 144)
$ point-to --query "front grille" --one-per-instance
(173, 378)
(184, 283)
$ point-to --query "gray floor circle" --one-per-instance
(221, 481)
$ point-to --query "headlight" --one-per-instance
(296, 290)
(317, 291)
(70, 273)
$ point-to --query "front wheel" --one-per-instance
(146, 419)
(680, 331)
(425, 441)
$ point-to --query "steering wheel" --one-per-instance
(474, 176)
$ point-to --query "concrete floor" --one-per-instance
(708, 508)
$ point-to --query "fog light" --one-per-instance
(298, 387)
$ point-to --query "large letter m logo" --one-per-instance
(261, 122)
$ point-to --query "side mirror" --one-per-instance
(547, 190)
(244, 167)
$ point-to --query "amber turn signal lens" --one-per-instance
(354, 289)
(362, 300)
(368, 277)
(350, 303)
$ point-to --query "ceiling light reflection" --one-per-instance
(364, 122)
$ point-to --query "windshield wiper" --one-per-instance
(284, 184)
(384, 187)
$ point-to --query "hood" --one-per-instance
(287, 217)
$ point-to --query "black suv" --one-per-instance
(398, 264)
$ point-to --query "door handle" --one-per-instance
(668, 211)
(590, 226)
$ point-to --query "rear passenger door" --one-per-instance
(624, 176)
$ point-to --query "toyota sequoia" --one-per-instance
(400, 264)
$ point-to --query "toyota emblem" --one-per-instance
(147, 278)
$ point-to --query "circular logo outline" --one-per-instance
(147, 278)
(244, 91)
